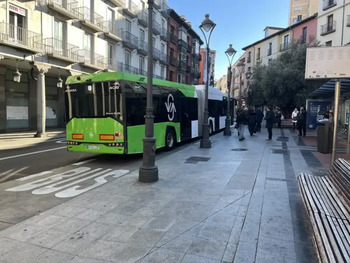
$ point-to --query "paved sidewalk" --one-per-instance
(235, 202)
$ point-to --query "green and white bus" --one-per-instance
(105, 112)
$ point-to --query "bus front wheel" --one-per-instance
(170, 139)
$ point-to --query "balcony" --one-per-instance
(189, 48)
(156, 27)
(67, 9)
(196, 74)
(165, 10)
(173, 61)
(142, 47)
(156, 54)
(142, 18)
(182, 66)
(183, 44)
(173, 38)
(164, 58)
(328, 28)
(164, 35)
(188, 68)
(20, 38)
(329, 4)
(130, 9)
(114, 3)
(157, 4)
(127, 68)
(61, 50)
(129, 40)
(91, 19)
(91, 60)
(111, 31)
(284, 46)
(197, 57)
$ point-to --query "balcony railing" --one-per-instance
(164, 34)
(67, 8)
(156, 54)
(197, 57)
(142, 18)
(157, 4)
(173, 37)
(165, 10)
(88, 58)
(328, 4)
(183, 44)
(20, 37)
(129, 39)
(60, 49)
(91, 19)
(328, 28)
(112, 31)
(284, 46)
(128, 68)
(114, 3)
(131, 9)
(156, 27)
(142, 47)
(164, 58)
(173, 61)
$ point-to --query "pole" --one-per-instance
(149, 171)
(205, 142)
(227, 131)
(335, 121)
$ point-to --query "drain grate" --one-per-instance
(239, 149)
(196, 159)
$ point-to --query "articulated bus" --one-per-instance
(105, 112)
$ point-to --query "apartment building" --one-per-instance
(334, 22)
(42, 42)
(301, 9)
(203, 66)
(183, 50)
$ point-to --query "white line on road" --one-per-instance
(84, 162)
(31, 153)
(2, 179)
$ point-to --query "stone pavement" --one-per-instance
(235, 202)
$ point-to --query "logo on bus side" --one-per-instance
(170, 107)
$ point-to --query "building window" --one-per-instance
(128, 61)
(330, 23)
(110, 54)
(299, 18)
(328, 43)
(258, 55)
(269, 51)
(162, 71)
(303, 37)
(142, 66)
(249, 57)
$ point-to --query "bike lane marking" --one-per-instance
(31, 153)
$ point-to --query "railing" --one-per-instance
(88, 57)
(110, 27)
(90, 16)
(156, 27)
(19, 35)
(284, 46)
(164, 58)
(197, 57)
(328, 28)
(129, 39)
(143, 18)
(164, 34)
(183, 65)
(131, 8)
(183, 43)
(173, 61)
(69, 5)
(328, 4)
(56, 46)
(165, 10)
(173, 37)
(143, 46)
(156, 54)
(127, 68)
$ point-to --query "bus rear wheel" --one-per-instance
(170, 139)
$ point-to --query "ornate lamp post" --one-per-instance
(206, 26)
(240, 66)
(230, 53)
(149, 171)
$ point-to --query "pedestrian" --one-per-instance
(295, 118)
(259, 118)
(242, 120)
(278, 117)
(252, 121)
(270, 120)
(302, 122)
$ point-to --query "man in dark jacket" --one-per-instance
(259, 118)
(251, 121)
(242, 120)
(270, 120)
(302, 122)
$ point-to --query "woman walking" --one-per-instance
(270, 120)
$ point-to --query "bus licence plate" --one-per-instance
(93, 147)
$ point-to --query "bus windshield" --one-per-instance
(102, 99)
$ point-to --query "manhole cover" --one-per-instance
(239, 149)
(196, 159)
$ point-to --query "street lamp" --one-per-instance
(230, 53)
(149, 171)
(206, 26)
(240, 66)
(248, 75)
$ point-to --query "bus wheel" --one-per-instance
(170, 139)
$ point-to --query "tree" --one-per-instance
(282, 83)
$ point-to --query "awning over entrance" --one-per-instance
(327, 89)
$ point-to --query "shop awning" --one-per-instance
(327, 89)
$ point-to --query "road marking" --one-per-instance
(9, 174)
(70, 179)
(31, 153)
(84, 162)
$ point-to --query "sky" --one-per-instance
(238, 22)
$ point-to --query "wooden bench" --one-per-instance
(327, 201)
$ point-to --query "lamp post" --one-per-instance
(230, 53)
(149, 171)
(206, 26)
(248, 75)
(240, 66)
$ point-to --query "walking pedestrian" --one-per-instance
(295, 118)
(302, 122)
(242, 120)
(259, 118)
(278, 117)
(252, 121)
(270, 120)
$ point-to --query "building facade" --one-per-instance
(301, 9)
(203, 66)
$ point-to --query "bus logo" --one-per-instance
(170, 107)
